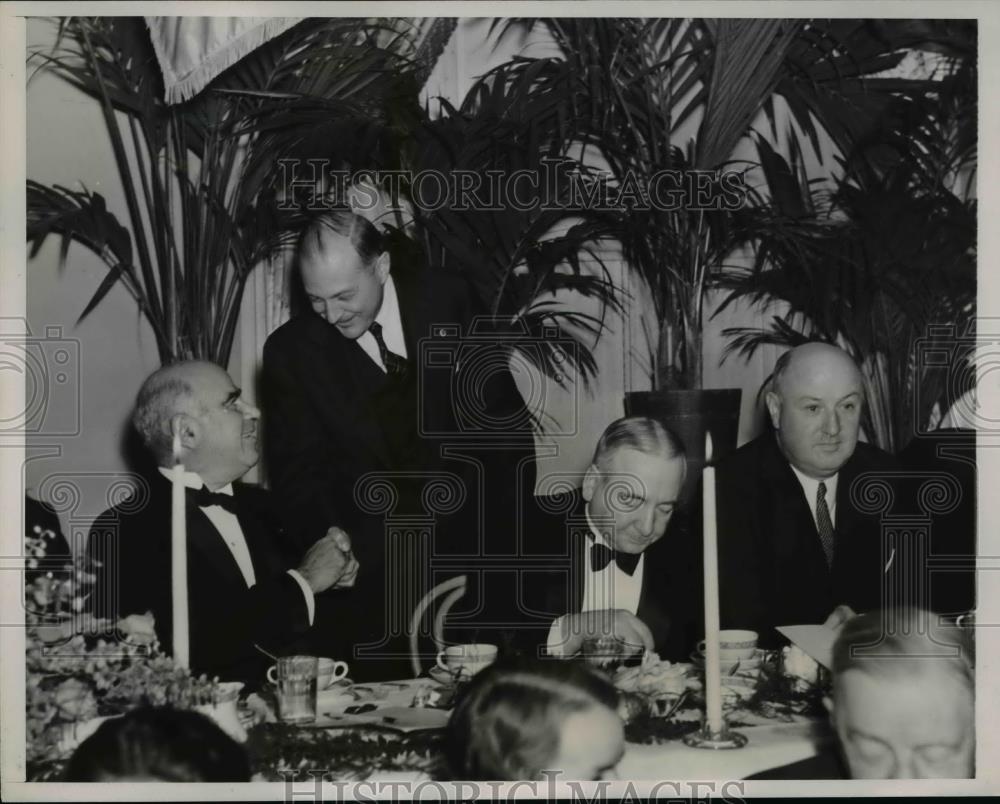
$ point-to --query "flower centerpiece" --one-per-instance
(81, 670)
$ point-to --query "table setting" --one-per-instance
(354, 731)
(731, 695)
(310, 715)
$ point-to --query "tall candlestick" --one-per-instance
(713, 676)
(178, 560)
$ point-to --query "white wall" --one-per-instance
(67, 144)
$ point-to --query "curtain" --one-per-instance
(194, 50)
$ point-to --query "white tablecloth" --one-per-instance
(767, 747)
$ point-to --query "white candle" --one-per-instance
(178, 561)
(713, 677)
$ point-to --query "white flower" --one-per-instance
(75, 700)
(800, 664)
(138, 628)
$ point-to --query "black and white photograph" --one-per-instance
(590, 402)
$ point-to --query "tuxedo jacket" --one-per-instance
(772, 570)
(554, 562)
(129, 547)
(331, 415)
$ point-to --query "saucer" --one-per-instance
(441, 676)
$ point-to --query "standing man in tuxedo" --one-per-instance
(793, 546)
(613, 559)
(241, 589)
(347, 401)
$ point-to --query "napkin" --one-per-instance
(814, 640)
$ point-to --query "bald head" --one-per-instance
(815, 407)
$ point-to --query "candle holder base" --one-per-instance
(716, 741)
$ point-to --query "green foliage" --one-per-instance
(884, 263)
(200, 179)
(627, 88)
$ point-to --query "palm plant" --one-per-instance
(516, 256)
(884, 264)
(628, 88)
(200, 180)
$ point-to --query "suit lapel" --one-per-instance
(655, 588)
(207, 545)
(254, 522)
(562, 538)
(347, 378)
(794, 527)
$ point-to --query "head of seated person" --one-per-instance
(197, 403)
(159, 745)
(815, 403)
(525, 719)
(903, 702)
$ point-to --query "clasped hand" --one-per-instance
(330, 564)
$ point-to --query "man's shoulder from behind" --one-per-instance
(870, 457)
(554, 517)
(303, 326)
(748, 459)
(150, 490)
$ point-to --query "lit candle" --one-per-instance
(713, 677)
(178, 560)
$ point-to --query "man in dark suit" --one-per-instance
(353, 416)
(794, 544)
(603, 560)
(240, 588)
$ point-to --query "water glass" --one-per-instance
(295, 679)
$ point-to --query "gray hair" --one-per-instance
(162, 395)
(641, 433)
(903, 641)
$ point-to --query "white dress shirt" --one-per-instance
(608, 588)
(810, 486)
(228, 526)
(389, 319)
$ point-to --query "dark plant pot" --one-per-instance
(691, 414)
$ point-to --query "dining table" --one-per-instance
(391, 731)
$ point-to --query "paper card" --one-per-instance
(814, 640)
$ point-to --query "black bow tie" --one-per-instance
(601, 555)
(204, 498)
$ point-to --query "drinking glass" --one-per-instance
(295, 679)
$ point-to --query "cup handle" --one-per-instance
(339, 671)
(272, 674)
(440, 662)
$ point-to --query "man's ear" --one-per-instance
(187, 430)
(590, 482)
(830, 709)
(382, 266)
(773, 402)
